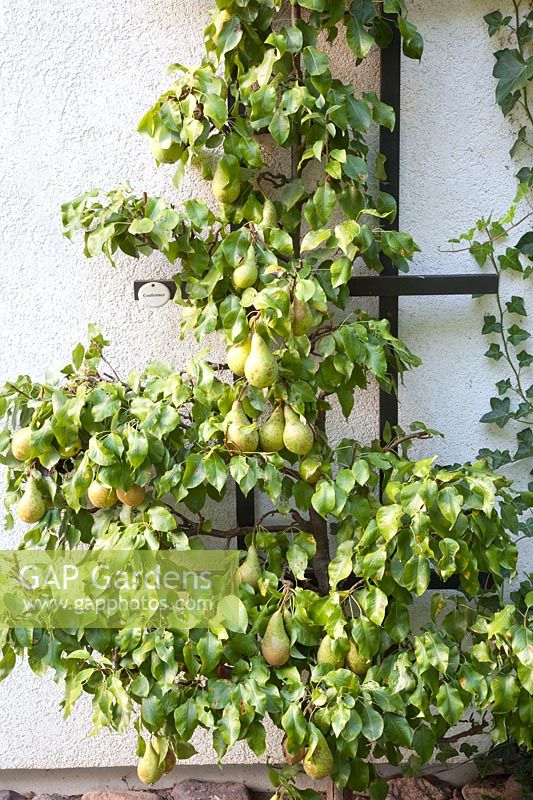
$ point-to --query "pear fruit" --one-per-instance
(70, 452)
(318, 761)
(149, 769)
(261, 368)
(20, 444)
(170, 761)
(270, 217)
(301, 317)
(246, 441)
(311, 469)
(325, 654)
(276, 647)
(133, 497)
(101, 496)
(166, 155)
(292, 758)
(246, 274)
(31, 506)
(271, 432)
(355, 661)
(237, 355)
(297, 437)
(250, 569)
(226, 180)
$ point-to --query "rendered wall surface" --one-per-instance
(75, 78)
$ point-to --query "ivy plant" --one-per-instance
(329, 650)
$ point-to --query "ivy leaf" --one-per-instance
(512, 72)
(500, 413)
(525, 447)
(516, 305)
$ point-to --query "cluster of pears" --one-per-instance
(150, 769)
(226, 180)
(317, 760)
(283, 429)
(353, 659)
(253, 360)
(102, 496)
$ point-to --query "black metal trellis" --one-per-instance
(389, 286)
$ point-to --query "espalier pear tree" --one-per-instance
(326, 648)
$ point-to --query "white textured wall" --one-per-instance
(75, 78)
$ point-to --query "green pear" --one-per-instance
(325, 654)
(297, 437)
(237, 355)
(250, 569)
(246, 441)
(355, 661)
(101, 496)
(261, 368)
(301, 317)
(31, 506)
(271, 432)
(311, 469)
(70, 452)
(149, 769)
(20, 444)
(270, 218)
(226, 180)
(247, 273)
(318, 761)
(166, 155)
(276, 647)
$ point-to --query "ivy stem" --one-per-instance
(525, 103)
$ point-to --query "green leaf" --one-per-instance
(449, 703)
(450, 503)
(316, 61)
(216, 471)
(500, 413)
(359, 40)
(388, 519)
(210, 651)
(161, 519)
(513, 73)
(323, 499)
(372, 723)
(137, 446)
(341, 271)
(397, 730)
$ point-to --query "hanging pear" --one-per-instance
(355, 661)
(270, 217)
(311, 469)
(101, 496)
(166, 155)
(238, 436)
(276, 647)
(237, 354)
(246, 274)
(301, 317)
(261, 368)
(170, 761)
(250, 569)
(31, 506)
(318, 761)
(149, 770)
(292, 758)
(271, 432)
(325, 654)
(20, 444)
(297, 437)
(70, 452)
(133, 497)
(226, 180)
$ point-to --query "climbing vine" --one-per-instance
(326, 647)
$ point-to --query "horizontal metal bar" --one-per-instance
(404, 285)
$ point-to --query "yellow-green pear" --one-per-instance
(301, 317)
(271, 432)
(149, 769)
(226, 180)
(325, 654)
(101, 496)
(237, 355)
(270, 217)
(246, 274)
(166, 155)
(355, 661)
(31, 506)
(20, 444)
(318, 761)
(70, 452)
(238, 436)
(250, 569)
(133, 497)
(297, 437)
(276, 647)
(261, 368)
(311, 469)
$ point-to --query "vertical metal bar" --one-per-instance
(389, 144)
